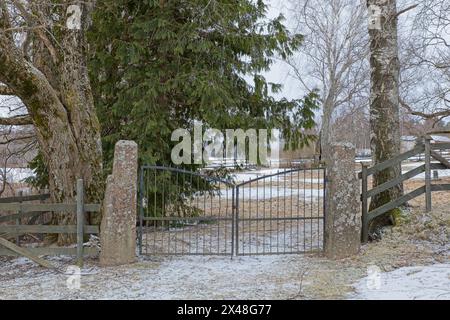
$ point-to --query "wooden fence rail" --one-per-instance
(34, 197)
(426, 148)
(25, 210)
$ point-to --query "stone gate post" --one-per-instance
(343, 218)
(118, 226)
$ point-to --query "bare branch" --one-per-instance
(8, 141)
(406, 9)
(5, 21)
(16, 121)
(6, 91)
(439, 114)
(38, 27)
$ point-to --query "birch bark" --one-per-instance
(384, 98)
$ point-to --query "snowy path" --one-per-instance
(411, 283)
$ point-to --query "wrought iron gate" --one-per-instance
(267, 212)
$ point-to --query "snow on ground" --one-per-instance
(223, 278)
(188, 277)
(411, 283)
(17, 174)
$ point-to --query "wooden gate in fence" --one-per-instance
(26, 210)
(431, 151)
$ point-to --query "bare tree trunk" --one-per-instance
(55, 88)
(326, 137)
(384, 98)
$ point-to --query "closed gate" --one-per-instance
(252, 213)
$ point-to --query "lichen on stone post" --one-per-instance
(118, 227)
(342, 206)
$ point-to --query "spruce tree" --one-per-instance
(161, 65)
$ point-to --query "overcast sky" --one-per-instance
(279, 72)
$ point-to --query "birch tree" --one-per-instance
(333, 58)
(384, 99)
(43, 62)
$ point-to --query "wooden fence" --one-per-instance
(430, 151)
(25, 210)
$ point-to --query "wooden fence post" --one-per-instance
(80, 222)
(427, 174)
(364, 211)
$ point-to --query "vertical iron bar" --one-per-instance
(249, 224)
(270, 213)
(318, 207)
(284, 212)
(237, 220)
(185, 222)
(177, 197)
(18, 219)
(278, 211)
(364, 201)
(192, 199)
(304, 210)
(233, 222)
(141, 207)
(324, 221)
(163, 212)
(264, 216)
(155, 222)
(211, 195)
(312, 205)
(298, 210)
(427, 174)
(292, 197)
(218, 220)
(257, 215)
(196, 234)
(204, 212)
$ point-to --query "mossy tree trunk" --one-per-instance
(50, 77)
(384, 99)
